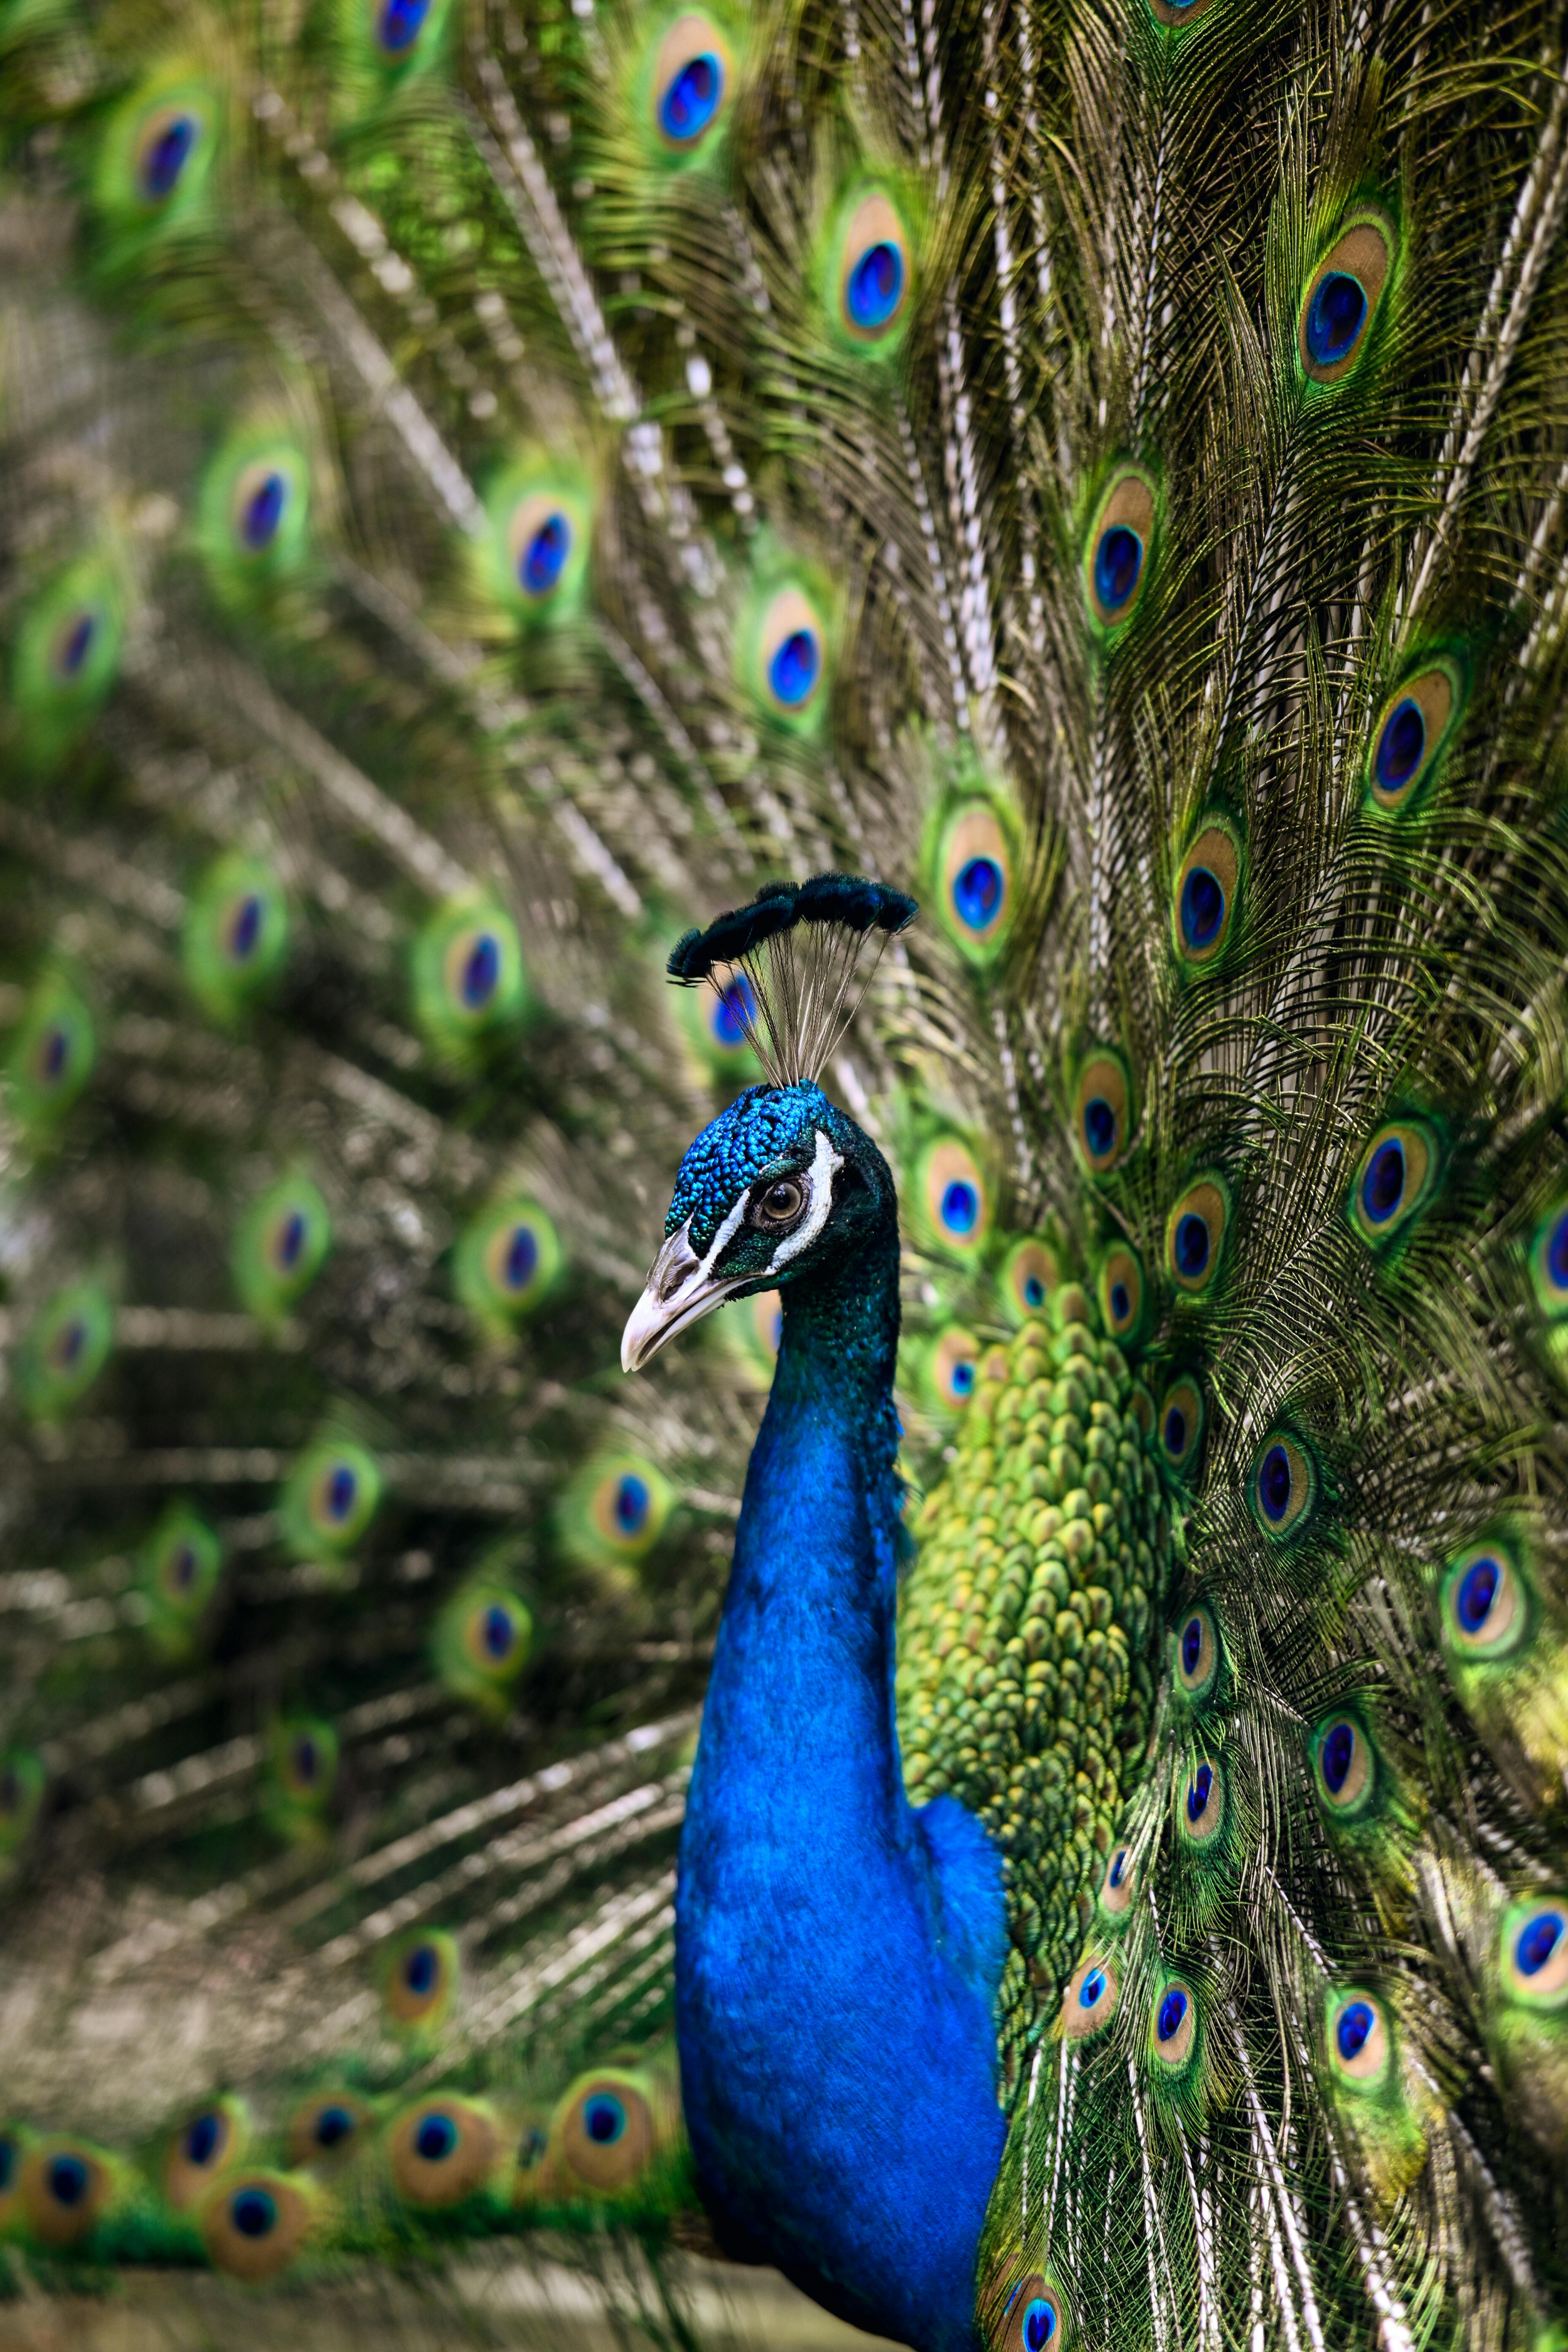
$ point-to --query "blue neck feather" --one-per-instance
(837, 1953)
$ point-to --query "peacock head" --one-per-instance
(781, 1187)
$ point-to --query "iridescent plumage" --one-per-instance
(485, 491)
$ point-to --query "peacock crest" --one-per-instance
(794, 966)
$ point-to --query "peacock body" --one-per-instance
(486, 484)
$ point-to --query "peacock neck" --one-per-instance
(837, 1953)
(828, 1443)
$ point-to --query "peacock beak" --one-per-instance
(680, 1291)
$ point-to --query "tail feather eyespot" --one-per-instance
(469, 981)
(255, 2222)
(1532, 1943)
(532, 561)
(1119, 547)
(1201, 1803)
(876, 271)
(1172, 2022)
(1030, 1277)
(52, 1055)
(1549, 1263)
(607, 2131)
(1341, 298)
(1089, 2002)
(612, 2128)
(1103, 1111)
(303, 1762)
(614, 1512)
(782, 652)
(954, 1203)
(404, 31)
(721, 1022)
(1120, 1290)
(327, 2128)
(64, 2189)
(169, 138)
(329, 1498)
(158, 154)
(1486, 1604)
(692, 82)
(1119, 1882)
(626, 1507)
(261, 500)
(1344, 1764)
(1196, 1233)
(1206, 896)
(65, 1349)
(252, 525)
(420, 1980)
(791, 648)
(1412, 730)
(67, 644)
(1180, 1424)
(974, 882)
(444, 2149)
(201, 2149)
(1027, 2312)
(1197, 1652)
(483, 1639)
(495, 1632)
(1283, 1487)
(236, 937)
(1396, 1174)
(542, 539)
(281, 1246)
(1359, 2044)
(508, 1261)
(732, 1013)
(953, 1370)
(178, 1571)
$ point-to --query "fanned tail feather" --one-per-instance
(485, 487)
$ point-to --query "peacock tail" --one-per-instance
(486, 486)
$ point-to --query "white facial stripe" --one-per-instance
(819, 1178)
(720, 1237)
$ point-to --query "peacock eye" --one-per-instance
(780, 1205)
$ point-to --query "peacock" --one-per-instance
(928, 647)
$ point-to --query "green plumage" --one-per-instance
(280, 1245)
(236, 934)
(483, 490)
(65, 655)
(179, 1566)
(52, 1051)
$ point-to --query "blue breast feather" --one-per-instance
(838, 1952)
